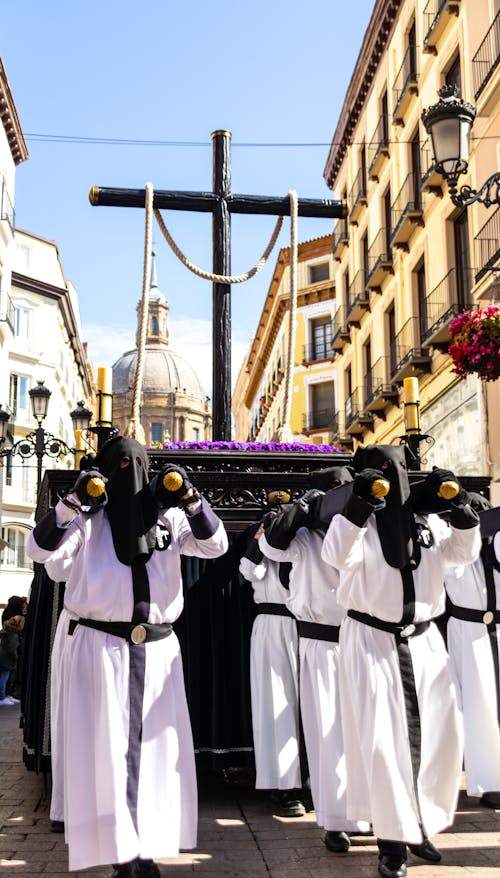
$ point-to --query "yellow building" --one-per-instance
(406, 259)
(259, 395)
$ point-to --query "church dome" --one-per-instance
(164, 371)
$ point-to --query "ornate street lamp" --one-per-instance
(81, 417)
(39, 442)
(449, 124)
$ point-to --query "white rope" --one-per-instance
(219, 278)
(285, 432)
(135, 428)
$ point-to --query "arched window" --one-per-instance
(154, 325)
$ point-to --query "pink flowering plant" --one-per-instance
(475, 343)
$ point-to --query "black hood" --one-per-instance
(395, 521)
(131, 510)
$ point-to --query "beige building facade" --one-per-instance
(258, 402)
(406, 260)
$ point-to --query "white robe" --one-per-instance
(273, 683)
(379, 767)
(95, 691)
(474, 672)
(312, 599)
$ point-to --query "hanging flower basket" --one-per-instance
(475, 343)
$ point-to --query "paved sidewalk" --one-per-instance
(239, 836)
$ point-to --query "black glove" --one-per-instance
(281, 528)
(365, 486)
(170, 486)
(306, 502)
(90, 488)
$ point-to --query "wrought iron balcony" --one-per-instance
(443, 303)
(437, 16)
(7, 311)
(320, 419)
(430, 180)
(340, 437)
(378, 149)
(380, 261)
(487, 245)
(340, 239)
(380, 393)
(359, 300)
(317, 352)
(407, 354)
(487, 58)
(341, 330)
(406, 211)
(405, 86)
(358, 197)
(357, 419)
(7, 212)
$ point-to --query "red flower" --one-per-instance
(475, 343)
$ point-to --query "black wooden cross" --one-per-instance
(221, 203)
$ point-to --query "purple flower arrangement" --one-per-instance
(475, 343)
(249, 446)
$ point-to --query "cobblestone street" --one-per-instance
(238, 833)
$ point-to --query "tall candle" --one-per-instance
(410, 389)
(412, 420)
(104, 385)
(79, 448)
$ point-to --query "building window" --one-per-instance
(462, 259)
(154, 325)
(318, 273)
(156, 434)
(23, 323)
(14, 553)
(196, 434)
(321, 338)
(18, 393)
(454, 74)
(322, 404)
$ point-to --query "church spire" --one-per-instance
(157, 334)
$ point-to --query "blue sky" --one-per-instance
(270, 72)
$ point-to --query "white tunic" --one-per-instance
(312, 599)
(273, 683)
(95, 691)
(379, 765)
(474, 672)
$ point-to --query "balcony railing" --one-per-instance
(7, 208)
(378, 148)
(357, 420)
(7, 311)
(379, 392)
(406, 211)
(487, 58)
(341, 330)
(319, 350)
(380, 261)
(340, 238)
(437, 14)
(407, 355)
(320, 419)
(358, 299)
(405, 85)
(444, 302)
(487, 245)
(430, 180)
(357, 198)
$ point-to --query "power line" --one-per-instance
(119, 141)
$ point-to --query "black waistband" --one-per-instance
(316, 631)
(145, 632)
(487, 617)
(401, 631)
(274, 610)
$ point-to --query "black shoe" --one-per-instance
(426, 851)
(289, 804)
(392, 866)
(147, 869)
(57, 826)
(490, 800)
(337, 842)
(125, 870)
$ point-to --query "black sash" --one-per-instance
(274, 610)
(316, 631)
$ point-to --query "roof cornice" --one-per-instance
(10, 120)
(377, 36)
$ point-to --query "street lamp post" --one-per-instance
(449, 123)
